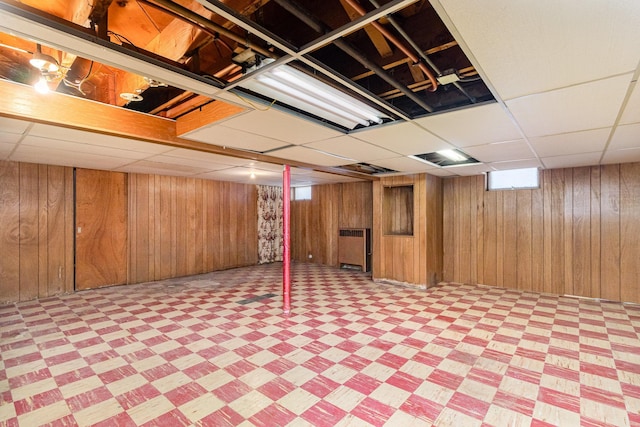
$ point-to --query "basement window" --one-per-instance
(301, 193)
(514, 179)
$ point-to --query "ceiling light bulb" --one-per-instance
(43, 62)
(453, 155)
(42, 86)
(252, 176)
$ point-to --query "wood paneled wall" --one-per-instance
(36, 231)
(315, 223)
(417, 258)
(177, 227)
(576, 235)
(183, 226)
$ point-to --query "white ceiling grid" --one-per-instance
(560, 72)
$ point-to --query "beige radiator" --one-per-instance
(354, 248)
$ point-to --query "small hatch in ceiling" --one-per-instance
(367, 168)
(446, 158)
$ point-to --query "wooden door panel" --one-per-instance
(101, 229)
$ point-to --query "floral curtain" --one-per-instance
(270, 226)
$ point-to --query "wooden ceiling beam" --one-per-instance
(76, 113)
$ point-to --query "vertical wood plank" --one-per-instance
(569, 287)
(490, 216)
(448, 234)
(155, 225)
(10, 231)
(43, 237)
(547, 231)
(56, 226)
(69, 233)
(28, 231)
(629, 232)
(473, 230)
(377, 268)
(557, 231)
(537, 237)
(166, 229)
(581, 230)
(133, 238)
(500, 232)
(596, 220)
(610, 232)
(480, 194)
(523, 248)
(510, 239)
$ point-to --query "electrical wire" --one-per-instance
(120, 38)
(78, 86)
(252, 105)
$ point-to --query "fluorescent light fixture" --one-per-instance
(299, 90)
(453, 155)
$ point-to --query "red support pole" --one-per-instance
(286, 267)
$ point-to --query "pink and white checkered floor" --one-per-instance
(206, 351)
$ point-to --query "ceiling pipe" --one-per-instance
(393, 39)
(183, 13)
(347, 48)
(420, 52)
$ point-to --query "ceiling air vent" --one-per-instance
(367, 168)
(445, 158)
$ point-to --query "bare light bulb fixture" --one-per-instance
(43, 62)
(42, 86)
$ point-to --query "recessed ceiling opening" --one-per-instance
(446, 158)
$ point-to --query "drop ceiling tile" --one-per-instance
(234, 138)
(622, 156)
(468, 170)
(309, 155)
(96, 139)
(442, 172)
(5, 150)
(473, 126)
(326, 178)
(575, 160)
(213, 158)
(196, 163)
(52, 156)
(627, 136)
(159, 168)
(281, 126)
(587, 106)
(349, 147)
(262, 177)
(499, 152)
(67, 146)
(403, 138)
(405, 164)
(13, 126)
(530, 46)
(571, 143)
(10, 138)
(517, 164)
(631, 113)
